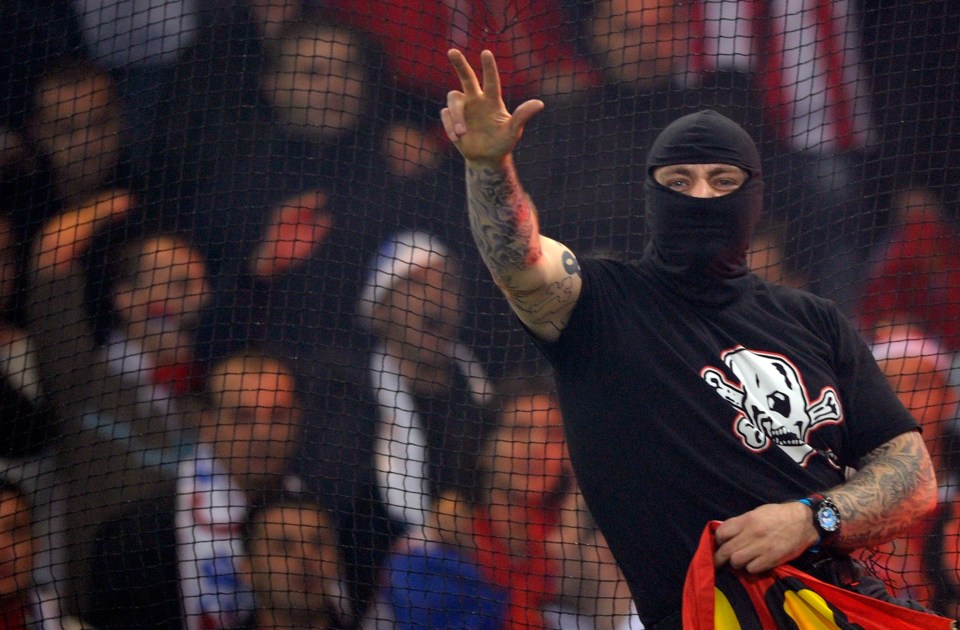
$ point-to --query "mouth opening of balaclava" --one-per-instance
(704, 240)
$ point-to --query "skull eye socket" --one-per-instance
(779, 403)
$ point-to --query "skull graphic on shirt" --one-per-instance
(772, 402)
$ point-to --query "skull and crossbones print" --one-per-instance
(772, 402)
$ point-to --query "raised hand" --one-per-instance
(476, 120)
(67, 236)
(297, 229)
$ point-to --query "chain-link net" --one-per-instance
(257, 374)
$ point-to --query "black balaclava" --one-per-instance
(701, 244)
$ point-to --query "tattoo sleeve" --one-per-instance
(892, 490)
(504, 223)
(503, 220)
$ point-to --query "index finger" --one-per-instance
(468, 78)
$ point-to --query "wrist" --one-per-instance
(814, 543)
(826, 519)
(501, 162)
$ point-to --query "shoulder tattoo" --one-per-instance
(570, 263)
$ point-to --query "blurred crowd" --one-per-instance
(253, 372)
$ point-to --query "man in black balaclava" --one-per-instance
(703, 230)
(693, 391)
(704, 195)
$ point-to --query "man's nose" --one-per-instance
(701, 188)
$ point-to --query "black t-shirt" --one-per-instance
(678, 413)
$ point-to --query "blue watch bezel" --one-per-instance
(828, 517)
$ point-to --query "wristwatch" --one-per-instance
(826, 518)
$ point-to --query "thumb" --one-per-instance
(526, 111)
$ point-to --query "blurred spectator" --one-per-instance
(30, 426)
(915, 274)
(294, 566)
(223, 63)
(504, 553)
(334, 454)
(432, 394)
(139, 41)
(335, 459)
(113, 313)
(173, 560)
(70, 147)
(537, 56)
(532, 42)
(639, 45)
(309, 94)
(32, 32)
(214, 88)
(311, 164)
(591, 591)
(63, 149)
(300, 169)
(75, 124)
(254, 63)
(21, 605)
(917, 368)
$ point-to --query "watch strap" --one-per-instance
(813, 502)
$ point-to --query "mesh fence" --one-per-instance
(256, 373)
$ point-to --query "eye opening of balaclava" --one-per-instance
(703, 240)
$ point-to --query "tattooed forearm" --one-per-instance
(894, 488)
(503, 220)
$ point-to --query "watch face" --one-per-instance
(827, 517)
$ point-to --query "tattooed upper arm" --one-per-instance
(545, 305)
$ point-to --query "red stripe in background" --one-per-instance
(697, 33)
(838, 103)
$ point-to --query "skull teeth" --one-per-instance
(784, 437)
